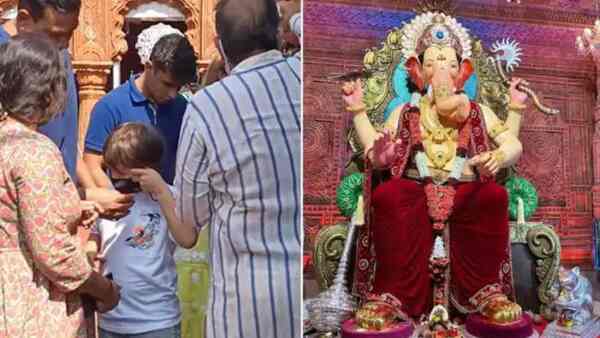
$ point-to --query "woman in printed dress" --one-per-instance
(43, 270)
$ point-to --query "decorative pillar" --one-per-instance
(588, 43)
(596, 145)
(92, 77)
(92, 59)
(6, 5)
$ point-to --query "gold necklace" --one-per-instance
(439, 141)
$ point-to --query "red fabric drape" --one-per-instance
(403, 240)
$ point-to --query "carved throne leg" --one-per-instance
(544, 244)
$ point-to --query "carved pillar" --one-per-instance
(92, 60)
(6, 5)
(209, 50)
(596, 144)
(92, 78)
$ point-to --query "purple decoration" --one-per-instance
(370, 22)
(479, 326)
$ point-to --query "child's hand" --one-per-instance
(150, 181)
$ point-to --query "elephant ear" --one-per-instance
(413, 67)
(465, 72)
(402, 94)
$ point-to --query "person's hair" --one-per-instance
(133, 145)
(246, 26)
(33, 85)
(175, 55)
(36, 7)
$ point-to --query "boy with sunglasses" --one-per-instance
(138, 249)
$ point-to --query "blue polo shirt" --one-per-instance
(127, 104)
(63, 130)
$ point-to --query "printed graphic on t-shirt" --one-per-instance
(143, 236)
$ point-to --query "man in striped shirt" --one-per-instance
(238, 170)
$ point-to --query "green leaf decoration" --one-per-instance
(347, 193)
(520, 187)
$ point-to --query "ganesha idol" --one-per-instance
(439, 152)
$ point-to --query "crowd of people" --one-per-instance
(155, 168)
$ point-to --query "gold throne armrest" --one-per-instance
(328, 248)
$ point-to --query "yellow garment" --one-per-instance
(192, 287)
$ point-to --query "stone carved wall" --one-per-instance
(193, 11)
(559, 154)
(7, 4)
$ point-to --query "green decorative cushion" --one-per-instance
(520, 187)
(347, 193)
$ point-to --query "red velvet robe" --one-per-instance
(395, 245)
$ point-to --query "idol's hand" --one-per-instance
(353, 96)
(517, 97)
(385, 150)
(488, 164)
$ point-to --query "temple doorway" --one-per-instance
(136, 21)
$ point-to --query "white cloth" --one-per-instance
(141, 262)
(296, 24)
(238, 169)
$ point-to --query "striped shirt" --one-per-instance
(238, 169)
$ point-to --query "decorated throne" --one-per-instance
(386, 86)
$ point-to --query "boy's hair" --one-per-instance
(36, 7)
(175, 55)
(134, 145)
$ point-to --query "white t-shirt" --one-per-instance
(141, 262)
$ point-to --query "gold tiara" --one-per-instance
(434, 29)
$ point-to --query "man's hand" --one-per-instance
(287, 10)
(109, 300)
(90, 211)
(114, 204)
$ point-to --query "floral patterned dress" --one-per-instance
(40, 260)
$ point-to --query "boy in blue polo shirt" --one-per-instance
(150, 98)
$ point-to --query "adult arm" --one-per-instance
(45, 200)
(103, 121)
(93, 161)
(192, 172)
